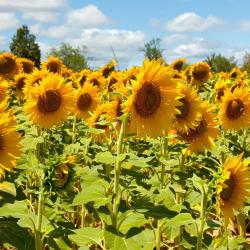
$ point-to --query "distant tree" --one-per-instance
(246, 63)
(73, 58)
(219, 63)
(153, 49)
(24, 45)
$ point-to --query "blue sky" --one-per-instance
(188, 28)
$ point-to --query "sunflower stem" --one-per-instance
(244, 144)
(74, 131)
(117, 197)
(202, 218)
(241, 221)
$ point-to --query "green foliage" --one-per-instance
(24, 45)
(73, 58)
(219, 63)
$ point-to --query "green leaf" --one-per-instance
(8, 187)
(16, 210)
(105, 157)
(181, 219)
(88, 235)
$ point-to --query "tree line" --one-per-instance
(24, 45)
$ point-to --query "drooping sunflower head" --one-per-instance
(20, 81)
(48, 104)
(53, 65)
(87, 100)
(9, 66)
(202, 136)
(108, 68)
(153, 102)
(96, 79)
(178, 64)
(235, 109)
(190, 110)
(27, 66)
(200, 73)
(234, 187)
(9, 143)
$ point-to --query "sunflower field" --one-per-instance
(153, 157)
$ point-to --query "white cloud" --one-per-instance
(191, 22)
(31, 5)
(3, 41)
(89, 16)
(43, 16)
(8, 21)
(174, 39)
(100, 43)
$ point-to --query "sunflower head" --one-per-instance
(200, 73)
(4, 92)
(49, 103)
(108, 68)
(20, 81)
(236, 73)
(178, 64)
(53, 65)
(235, 109)
(221, 87)
(113, 78)
(27, 65)
(9, 66)
(82, 77)
(233, 188)
(96, 79)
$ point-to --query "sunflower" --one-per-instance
(27, 65)
(9, 66)
(190, 109)
(108, 68)
(9, 143)
(53, 65)
(221, 87)
(20, 81)
(81, 78)
(202, 136)
(235, 109)
(87, 100)
(130, 75)
(234, 187)
(236, 73)
(178, 64)
(113, 78)
(4, 92)
(152, 104)
(49, 103)
(200, 73)
(96, 79)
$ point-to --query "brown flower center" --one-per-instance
(111, 83)
(95, 82)
(200, 75)
(20, 83)
(53, 67)
(178, 65)
(49, 102)
(147, 99)
(184, 109)
(1, 142)
(107, 71)
(220, 94)
(7, 65)
(119, 108)
(227, 192)
(234, 75)
(84, 101)
(196, 132)
(27, 67)
(37, 80)
(82, 80)
(235, 109)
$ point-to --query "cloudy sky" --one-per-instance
(188, 28)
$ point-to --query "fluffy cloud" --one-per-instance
(191, 22)
(8, 21)
(89, 16)
(31, 5)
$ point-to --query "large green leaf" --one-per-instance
(8, 187)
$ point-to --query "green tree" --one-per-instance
(73, 58)
(24, 44)
(219, 63)
(153, 49)
(246, 63)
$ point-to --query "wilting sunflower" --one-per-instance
(9, 143)
(27, 66)
(235, 109)
(53, 65)
(20, 81)
(178, 64)
(200, 73)
(87, 100)
(234, 187)
(202, 136)
(96, 79)
(153, 102)
(190, 109)
(108, 68)
(49, 103)
(9, 66)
